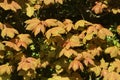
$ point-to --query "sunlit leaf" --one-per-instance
(56, 31)
(11, 45)
(88, 37)
(96, 70)
(75, 65)
(103, 64)
(53, 23)
(30, 10)
(113, 51)
(118, 29)
(81, 23)
(1, 26)
(111, 76)
(68, 25)
(67, 52)
(28, 63)
(10, 6)
(47, 2)
(5, 68)
(114, 66)
(98, 8)
(25, 38)
(59, 1)
(35, 25)
(9, 32)
(103, 33)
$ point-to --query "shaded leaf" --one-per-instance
(2, 46)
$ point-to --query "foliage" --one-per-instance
(59, 39)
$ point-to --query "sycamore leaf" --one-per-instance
(28, 63)
(67, 52)
(103, 64)
(74, 41)
(103, 33)
(9, 32)
(11, 45)
(59, 1)
(5, 68)
(98, 8)
(96, 70)
(111, 76)
(25, 38)
(47, 2)
(88, 58)
(35, 25)
(95, 51)
(113, 51)
(68, 24)
(94, 28)
(56, 31)
(88, 61)
(81, 23)
(10, 6)
(114, 66)
(20, 43)
(88, 37)
(53, 23)
(75, 65)
(30, 10)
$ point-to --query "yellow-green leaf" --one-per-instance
(30, 10)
